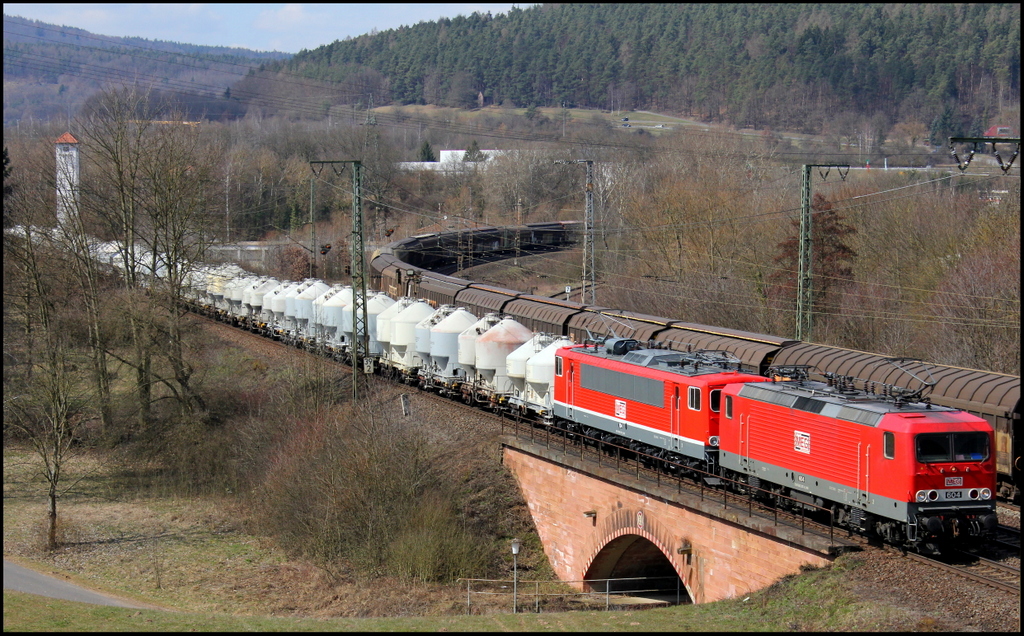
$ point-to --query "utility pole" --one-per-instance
(804, 278)
(459, 254)
(360, 334)
(589, 270)
(227, 219)
(519, 223)
(312, 231)
(589, 275)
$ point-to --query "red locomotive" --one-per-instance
(884, 463)
(908, 471)
(663, 403)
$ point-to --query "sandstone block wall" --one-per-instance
(725, 560)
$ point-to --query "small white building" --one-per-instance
(449, 161)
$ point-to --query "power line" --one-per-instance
(894, 315)
(898, 316)
(401, 208)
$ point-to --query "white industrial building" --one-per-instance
(449, 161)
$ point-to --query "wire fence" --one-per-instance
(560, 596)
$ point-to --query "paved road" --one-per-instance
(22, 579)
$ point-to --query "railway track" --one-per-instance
(1008, 538)
(999, 576)
(644, 468)
(650, 470)
(988, 572)
(1011, 508)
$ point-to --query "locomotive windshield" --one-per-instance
(952, 447)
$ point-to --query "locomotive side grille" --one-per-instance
(623, 385)
(857, 415)
(755, 392)
(809, 404)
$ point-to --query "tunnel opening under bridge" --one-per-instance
(632, 565)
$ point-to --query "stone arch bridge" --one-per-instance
(596, 522)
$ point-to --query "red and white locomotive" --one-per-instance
(910, 472)
(660, 402)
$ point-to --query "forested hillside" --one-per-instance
(801, 67)
(50, 70)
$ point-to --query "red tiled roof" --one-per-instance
(999, 131)
(66, 138)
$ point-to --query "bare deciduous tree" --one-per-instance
(150, 187)
(44, 399)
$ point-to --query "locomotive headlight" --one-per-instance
(974, 493)
(933, 495)
(713, 440)
(986, 493)
(921, 496)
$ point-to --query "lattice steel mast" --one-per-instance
(805, 271)
(589, 268)
(360, 334)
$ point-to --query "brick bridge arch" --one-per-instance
(592, 524)
(634, 545)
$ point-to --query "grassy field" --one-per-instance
(614, 119)
(815, 601)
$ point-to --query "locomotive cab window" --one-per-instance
(951, 447)
(715, 400)
(558, 366)
(889, 444)
(694, 398)
(728, 407)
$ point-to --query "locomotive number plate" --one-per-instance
(952, 494)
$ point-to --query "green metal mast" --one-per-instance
(805, 261)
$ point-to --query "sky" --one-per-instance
(264, 27)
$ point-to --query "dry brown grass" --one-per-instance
(122, 529)
(189, 554)
(124, 524)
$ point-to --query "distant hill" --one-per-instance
(50, 70)
(785, 66)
